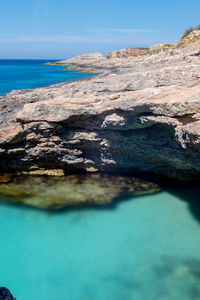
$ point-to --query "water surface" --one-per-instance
(144, 247)
(28, 74)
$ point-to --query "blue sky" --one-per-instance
(62, 28)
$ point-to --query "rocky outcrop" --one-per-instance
(140, 113)
(90, 62)
(130, 52)
(160, 47)
(193, 38)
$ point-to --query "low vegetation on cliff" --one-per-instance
(189, 30)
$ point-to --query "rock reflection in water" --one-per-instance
(59, 192)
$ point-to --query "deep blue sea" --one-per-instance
(141, 248)
(29, 74)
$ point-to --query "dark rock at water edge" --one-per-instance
(5, 294)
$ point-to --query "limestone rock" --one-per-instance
(190, 40)
(130, 52)
(160, 47)
(85, 61)
(140, 113)
(192, 36)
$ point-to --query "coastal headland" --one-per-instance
(142, 112)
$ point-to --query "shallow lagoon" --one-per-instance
(142, 247)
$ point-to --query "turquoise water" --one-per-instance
(29, 74)
(140, 248)
(143, 247)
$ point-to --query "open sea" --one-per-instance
(16, 74)
(138, 248)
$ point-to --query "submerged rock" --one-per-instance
(59, 192)
(5, 178)
(141, 113)
(5, 294)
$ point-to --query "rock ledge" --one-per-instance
(140, 113)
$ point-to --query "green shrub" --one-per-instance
(189, 30)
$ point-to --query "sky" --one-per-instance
(59, 29)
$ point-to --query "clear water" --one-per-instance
(144, 247)
(29, 74)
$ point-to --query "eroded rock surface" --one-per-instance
(125, 53)
(139, 113)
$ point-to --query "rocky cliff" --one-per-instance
(140, 113)
(130, 52)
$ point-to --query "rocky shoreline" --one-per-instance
(141, 113)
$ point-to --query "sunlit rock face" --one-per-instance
(59, 192)
(140, 113)
(125, 53)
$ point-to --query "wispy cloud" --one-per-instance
(38, 39)
(115, 35)
(122, 30)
